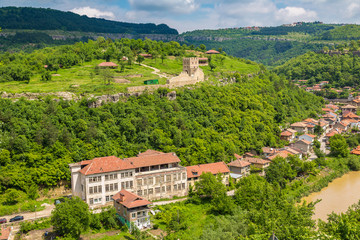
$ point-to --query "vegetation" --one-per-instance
(49, 19)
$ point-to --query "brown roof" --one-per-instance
(112, 163)
(214, 168)
(332, 106)
(332, 133)
(310, 120)
(237, 156)
(349, 106)
(107, 64)
(298, 124)
(212, 52)
(268, 150)
(291, 130)
(310, 135)
(239, 163)
(304, 141)
(282, 154)
(130, 200)
(356, 151)
(350, 115)
(256, 161)
(5, 233)
(286, 133)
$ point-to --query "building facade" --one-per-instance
(194, 172)
(151, 174)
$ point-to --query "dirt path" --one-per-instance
(156, 71)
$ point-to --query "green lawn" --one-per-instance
(85, 80)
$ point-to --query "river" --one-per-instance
(337, 196)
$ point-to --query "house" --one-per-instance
(351, 123)
(107, 65)
(327, 110)
(250, 154)
(145, 55)
(239, 167)
(307, 137)
(212, 52)
(332, 133)
(287, 136)
(283, 154)
(194, 172)
(350, 115)
(294, 151)
(333, 107)
(356, 151)
(300, 127)
(267, 151)
(131, 208)
(341, 125)
(150, 174)
(356, 102)
(303, 145)
(324, 83)
(6, 233)
(258, 163)
(349, 107)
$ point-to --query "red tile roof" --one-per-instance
(283, 154)
(239, 163)
(5, 233)
(256, 161)
(332, 133)
(237, 156)
(310, 135)
(286, 134)
(212, 52)
(130, 200)
(349, 107)
(268, 150)
(214, 168)
(298, 124)
(112, 163)
(107, 64)
(356, 151)
(304, 141)
(350, 115)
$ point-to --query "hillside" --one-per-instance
(273, 46)
(49, 19)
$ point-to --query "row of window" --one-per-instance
(95, 189)
(161, 179)
(95, 200)
(139, 214)
(162, 189)
(108, 198)
(110, 177)
(111, 187)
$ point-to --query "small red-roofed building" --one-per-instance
(107, 65)
(283, 154)
(287, 136)
(324, 83)
(350, 115)
(341, 125)
(267, 151)
(327, 110)
(333, 107)
(356, 102)
(145, 55)
(6, 233)
(309, 89)
(303, 145)
(307, 137)
(195, 171)
(356, 151)
(258, 163)
(131, 208)
(300, 127)
(332, 133)
(212, 52)
(349, 108)
(239, 167)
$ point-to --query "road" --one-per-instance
(156, 71)
(322, 147)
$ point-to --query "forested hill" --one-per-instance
(49, 19)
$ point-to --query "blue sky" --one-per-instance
(186, 15)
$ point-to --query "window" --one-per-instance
(145, 192)
(91, 191)
(175, 187)
(122, 175)
(168, 188)
(145, 181)
(157, 190)
(133, 215)
(139, 192)
(183, 185)
(107, 198)
(107, 187)
(116, 186)
(157, 180)
(168, 178)
(91, 201)
(179, 186)
(82, 187)
(131, 184)
(162, 178)
(183, 176)
(163, 189)
(106, 177)
(130, 174)
(150, 181)
(150, 191)
(123, 185)
(174, 177)
(126, 174)
(139, 182)
(127, 184)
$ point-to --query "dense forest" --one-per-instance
(339, 69)
(206, 124)
(347, 32)
(49, 19)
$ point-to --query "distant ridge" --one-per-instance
(50, 19)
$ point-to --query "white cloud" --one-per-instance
(165, 6)
(93, 12)
(293, 14)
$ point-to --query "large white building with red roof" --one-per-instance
(150, 174)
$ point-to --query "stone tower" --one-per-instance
(190, 65)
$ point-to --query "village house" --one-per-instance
(323, 83)
(333, 107)
(258, 163)
(107, 65)
(5, 233)
(212, 52)
(194, 172)
(341, 125)
(294, 151)
(283, 154)
(356, 151)
(151, 174)
(350, 115)
(131, 208)
(287, 136)
(300, 127)
(307, 137)
(267, 151)
(239, 168)
(303, 145)
(351, 123)
(356, 102)
(349, 108)
(331, 133)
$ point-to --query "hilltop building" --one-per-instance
(191, 73)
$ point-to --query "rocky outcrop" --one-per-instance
(68, 96)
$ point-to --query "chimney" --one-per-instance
(122, 197)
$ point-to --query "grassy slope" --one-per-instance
(88, 82)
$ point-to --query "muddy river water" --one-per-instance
(337, 196)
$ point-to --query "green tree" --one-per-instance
(140, 59)
(338, 146)
(71, 218)
(280, 171)
(107, 75)
(46, 76)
